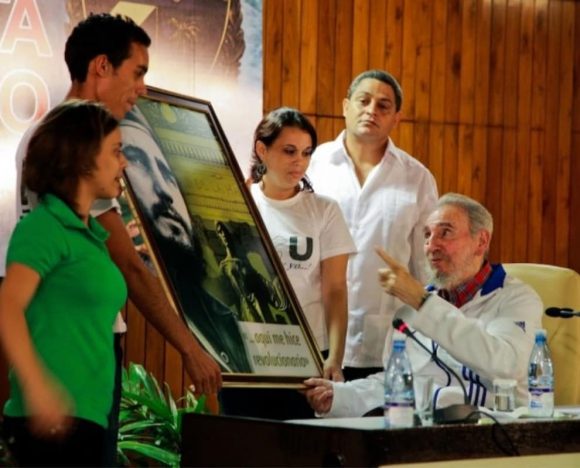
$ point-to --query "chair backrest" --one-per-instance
(557, 287)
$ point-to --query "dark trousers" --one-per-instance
(82, 446)
(354, 373)
(112, 433)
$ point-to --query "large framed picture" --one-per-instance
(207, 243)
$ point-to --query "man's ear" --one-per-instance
(345, 103)
(484, 238)
(398, 116)
(100, 65)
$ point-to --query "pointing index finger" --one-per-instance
(391, 262)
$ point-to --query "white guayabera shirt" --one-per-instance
(389, 210)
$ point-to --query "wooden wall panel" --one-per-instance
(155, 351)
(497, 63)
(325, 127)
(510, 113)
(536, 205)
(551, 126)
(482, 60)
(574, 258)
(361, 40)
(521, 190)
(522, 156)
(422, 85)
(576, 76)
(493, 195)
(378, 27)
(438, 61)
(134, 345)
(508, 185)
(511, 57)
(290, 53)
(173, 371)
(468, 63)
(479, 180)
(394, 36)
(453, 62)
(273, 16)
(465, 158)
(436, 151)
(325, 98)
(344, 54)
(574, 228)
(308, 56)
(406, 136)
(565, 86)
(450, 149)
(408, 45)
(421, 142)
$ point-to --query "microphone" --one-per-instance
(458, 413)
(561, 312)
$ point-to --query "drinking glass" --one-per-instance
(504, 391)
(423, 386)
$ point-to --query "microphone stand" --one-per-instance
(452, 414)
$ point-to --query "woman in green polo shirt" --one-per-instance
(62, 292)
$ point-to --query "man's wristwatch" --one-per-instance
(424, 298)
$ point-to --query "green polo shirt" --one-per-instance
(72, 312)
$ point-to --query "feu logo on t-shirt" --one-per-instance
(295, 254)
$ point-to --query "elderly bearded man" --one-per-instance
(474, 317)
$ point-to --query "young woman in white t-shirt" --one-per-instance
(308, 230)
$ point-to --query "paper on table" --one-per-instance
(522, 413)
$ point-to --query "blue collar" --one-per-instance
(495, 280)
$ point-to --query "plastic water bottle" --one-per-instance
(541, 379)
(399, 394)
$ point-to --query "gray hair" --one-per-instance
(478, 216)
(379, 75)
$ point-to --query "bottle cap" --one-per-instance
(540, 337)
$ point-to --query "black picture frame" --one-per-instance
(208, 244)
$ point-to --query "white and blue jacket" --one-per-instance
(489, 337)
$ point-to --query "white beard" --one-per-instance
(452, 280)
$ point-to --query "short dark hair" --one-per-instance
(64, 147)
(268, 131)
(380, 75)
(101, 34)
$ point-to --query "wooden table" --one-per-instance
(225, 441)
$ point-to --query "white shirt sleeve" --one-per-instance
(103, 205)
(357, 397)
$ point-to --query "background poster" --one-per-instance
(210, 49)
